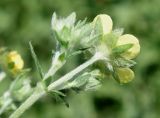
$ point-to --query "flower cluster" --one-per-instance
(107, 51)
(118, 47)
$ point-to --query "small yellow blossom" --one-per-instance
(15, 62)
(125, 75)
(129, 39)
(106, 23)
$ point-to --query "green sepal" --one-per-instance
(121, 49)
(122, 62)
(112, 38)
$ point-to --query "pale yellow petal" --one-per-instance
(129, 39)
(106, 23)
(15, 58)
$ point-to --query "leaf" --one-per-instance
(84, 82)
(122, 62)
(59, 97)
(54, 20)
(121, 49)
(92, 84)
(60, 39)
(34, 56)
(70, 20)
(78, 82)
(75, 53)
(59, 93)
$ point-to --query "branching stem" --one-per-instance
(40, 92)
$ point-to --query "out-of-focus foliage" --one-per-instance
(22, 21)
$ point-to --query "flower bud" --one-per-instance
(125, 75)
(129, 39)
(105, 23)
(15, 62)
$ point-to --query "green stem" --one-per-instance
(70, 75)
(40, 92)
(56, 65)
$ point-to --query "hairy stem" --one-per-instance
(56, 65)
(40, 92)
(37, 94)
(70, 75)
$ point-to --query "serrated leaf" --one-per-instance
(34, 56)
(121, 49)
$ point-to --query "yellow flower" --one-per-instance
(15, 62)
(125, 75)
(105, 22)
(129, 39)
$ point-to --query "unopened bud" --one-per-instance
(125, 75)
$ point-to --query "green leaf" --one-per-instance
(59, 97)
(84, 82)
(92, 84)
(59, 93)
(54, 20)
(121, 49)
(121, 62)
(78, 82)
(71, 19)
(34, 56)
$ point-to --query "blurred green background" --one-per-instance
(22, 21)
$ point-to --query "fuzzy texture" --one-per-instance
(129, 39)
